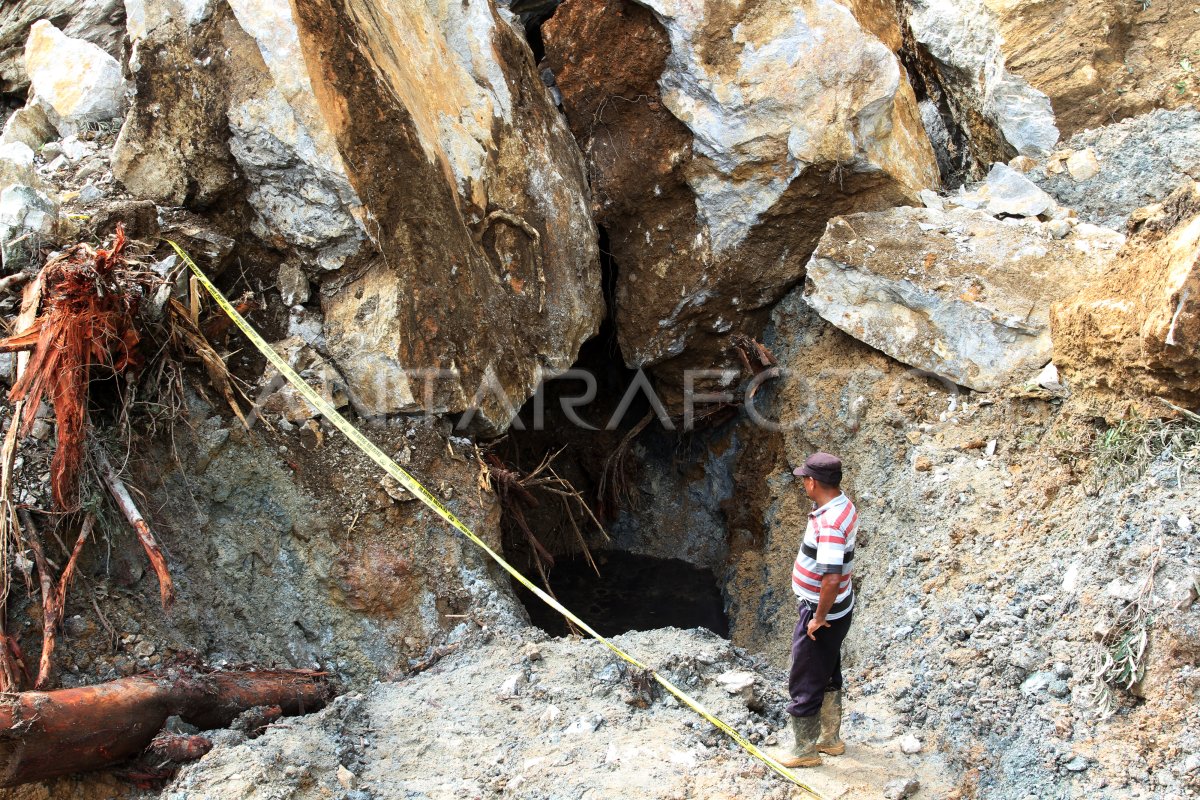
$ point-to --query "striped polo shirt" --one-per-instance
(828, 546)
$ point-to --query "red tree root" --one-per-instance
(47, 734)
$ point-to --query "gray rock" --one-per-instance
(957, 293)
(26, 215)
(965, 39)
(901, 788)
(1007, 191)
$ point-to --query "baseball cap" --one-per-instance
(824, 467)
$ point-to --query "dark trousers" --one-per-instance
(816, 665)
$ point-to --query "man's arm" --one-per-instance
(829, 593)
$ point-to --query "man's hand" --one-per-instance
(829, 590)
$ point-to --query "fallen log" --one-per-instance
(47, 734)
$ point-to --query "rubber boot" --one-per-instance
(830, 741)
(803, 752)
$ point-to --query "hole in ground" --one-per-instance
(632, 593)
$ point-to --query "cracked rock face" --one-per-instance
(956, 293)
(410, 161)
(719, 145)
(1135, 329)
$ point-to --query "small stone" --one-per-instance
(1037, 683)
(931, 199)
(511, 686)
(293, 284)
(1023, 164)
(1058, 228)
(550, 716)
(532, 652)
(1082, 165)
(1059, 689)
(1185, 524)
(1077, 764)
(345, 777)
(144, 649)
(923, 464)
(1191, 764)
(910, 745)
(587, 723)
(901, 788)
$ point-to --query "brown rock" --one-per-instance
(1136, 328)
(715, 160)
(411, 162)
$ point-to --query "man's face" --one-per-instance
(809, 484)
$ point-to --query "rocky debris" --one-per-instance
(1138, 161)
(1001, 112)
(581, 722)
(958, 293)
(717, 148)
(410, 213)
(982, 605)
(101, 22)
(74, 82)
(1134, 329)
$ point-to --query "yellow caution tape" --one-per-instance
(411, 484)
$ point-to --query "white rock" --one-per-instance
(736, 682)
(1009, 192)
(910, 745)
(1185, 524)
(1049, 379)
(1082, 164)
(16, 165)
(29, 126)
(73, 81)
(511, 686)
(551, 715)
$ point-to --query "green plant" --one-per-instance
(1122, 453)
(1121, 660)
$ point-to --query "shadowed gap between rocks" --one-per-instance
(632, 472)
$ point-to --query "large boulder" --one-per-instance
(718, 144)
(73, 81)
(101, 22)
(957, 293)
(411, 162)
(1134, 330)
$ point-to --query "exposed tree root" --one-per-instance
(47, 734)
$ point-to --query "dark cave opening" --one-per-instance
(619, 456)
(631, 593)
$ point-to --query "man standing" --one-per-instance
(821, 579)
